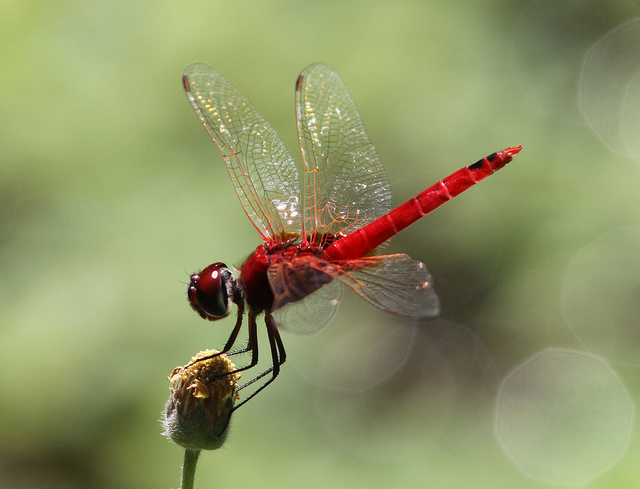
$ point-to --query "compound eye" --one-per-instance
(208, 293)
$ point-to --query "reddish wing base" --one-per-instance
(294, 284)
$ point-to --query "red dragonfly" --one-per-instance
(319, 238)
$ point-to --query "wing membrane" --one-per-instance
(394, 283)
(262, 169)
(307, 286)
(345, 183)
(311, 313)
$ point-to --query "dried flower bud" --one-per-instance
(199, 410)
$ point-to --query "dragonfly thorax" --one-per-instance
(254, 276)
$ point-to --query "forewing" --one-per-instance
(395, 283)
(345, 185)
(262, 169)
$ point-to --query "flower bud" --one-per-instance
(199, 410)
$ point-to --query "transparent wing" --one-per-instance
(310, 314)
(294, 279)
(306, 286)
(345, 185)
(394, 283)
(262, 169)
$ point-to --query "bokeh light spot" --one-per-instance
(564, 416)
(608, 93)
(602, 296)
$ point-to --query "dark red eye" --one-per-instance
(208, 293)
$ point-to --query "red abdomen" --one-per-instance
(367, 238)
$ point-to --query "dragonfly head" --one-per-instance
(212, 291)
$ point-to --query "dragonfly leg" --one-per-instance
(232, 338)
(236, 329)
(278, 357)
(252, 346)
(278, 353)
(252, 343)
(273, 330)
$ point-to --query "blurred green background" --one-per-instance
(111, 194)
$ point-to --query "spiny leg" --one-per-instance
(252, 346)
(278, 357)
(232, 338)
(236, 329)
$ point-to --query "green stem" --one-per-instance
(189, 467)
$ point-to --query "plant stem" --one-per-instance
(189, 467)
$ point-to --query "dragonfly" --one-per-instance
(321, 236)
